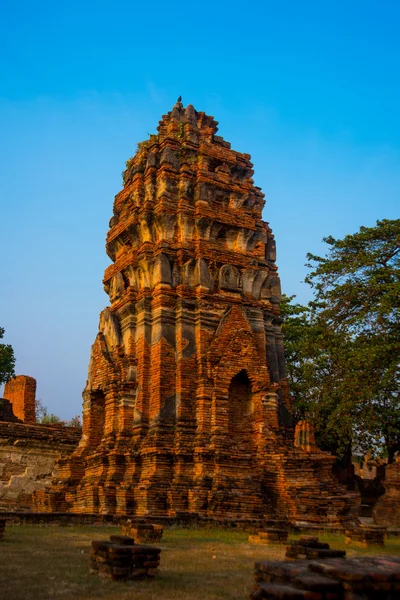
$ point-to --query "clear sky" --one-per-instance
(310, 89)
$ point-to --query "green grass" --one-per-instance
(196, 564)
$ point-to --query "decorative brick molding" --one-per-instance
(186, 406)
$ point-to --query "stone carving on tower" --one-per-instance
(186, 406)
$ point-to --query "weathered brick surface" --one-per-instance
(28, 455)
(122, 559)
(269, 535)
(186, 407)
(142, 532)
(310, 547)
(6, 412)
(21, 392)
(365, 536)
(386, 511)
(333, 579)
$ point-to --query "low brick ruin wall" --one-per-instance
(75, 519)
(386, 511)
(28, 455)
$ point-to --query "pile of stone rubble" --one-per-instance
(328, 579)
(366, 536)
(269, 535)
(310, 547)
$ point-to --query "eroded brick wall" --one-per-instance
(386, 511)
(28, 455)
(21, 392)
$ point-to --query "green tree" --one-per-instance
(7, 360)
(45, 418)
(351, 341)
(297, 331)
(357, 297)
(315, 374)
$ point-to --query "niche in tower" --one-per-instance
(240, 405)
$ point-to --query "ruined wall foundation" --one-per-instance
(28, 456)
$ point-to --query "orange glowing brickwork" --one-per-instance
(21, 392)
(186, 407)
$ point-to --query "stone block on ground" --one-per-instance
(121, 559)
(361, 578)
(309, 547)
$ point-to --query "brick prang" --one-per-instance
(186, 408)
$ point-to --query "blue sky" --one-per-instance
(310, 89)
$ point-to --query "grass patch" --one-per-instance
(196, 564)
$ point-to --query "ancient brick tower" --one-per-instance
(186, 406)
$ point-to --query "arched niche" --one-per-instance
(242, 239)
(248, 280)
(203, 225)
(202, 274)
(185, 227)
(130, 274)
(216, 230)
(229, 278)
(258, 283)
(146, 227)
(144, 274)
(258, 236)
(162, 270)
(231, 237)
(240, 405)
(189, 273)
(164, 224)
(134, 235)
(117, 287)
(271, 289)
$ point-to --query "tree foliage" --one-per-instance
(296, 328)
(346, 343)
(45, 418)
(7, 360)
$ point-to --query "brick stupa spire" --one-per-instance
(186, 406)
